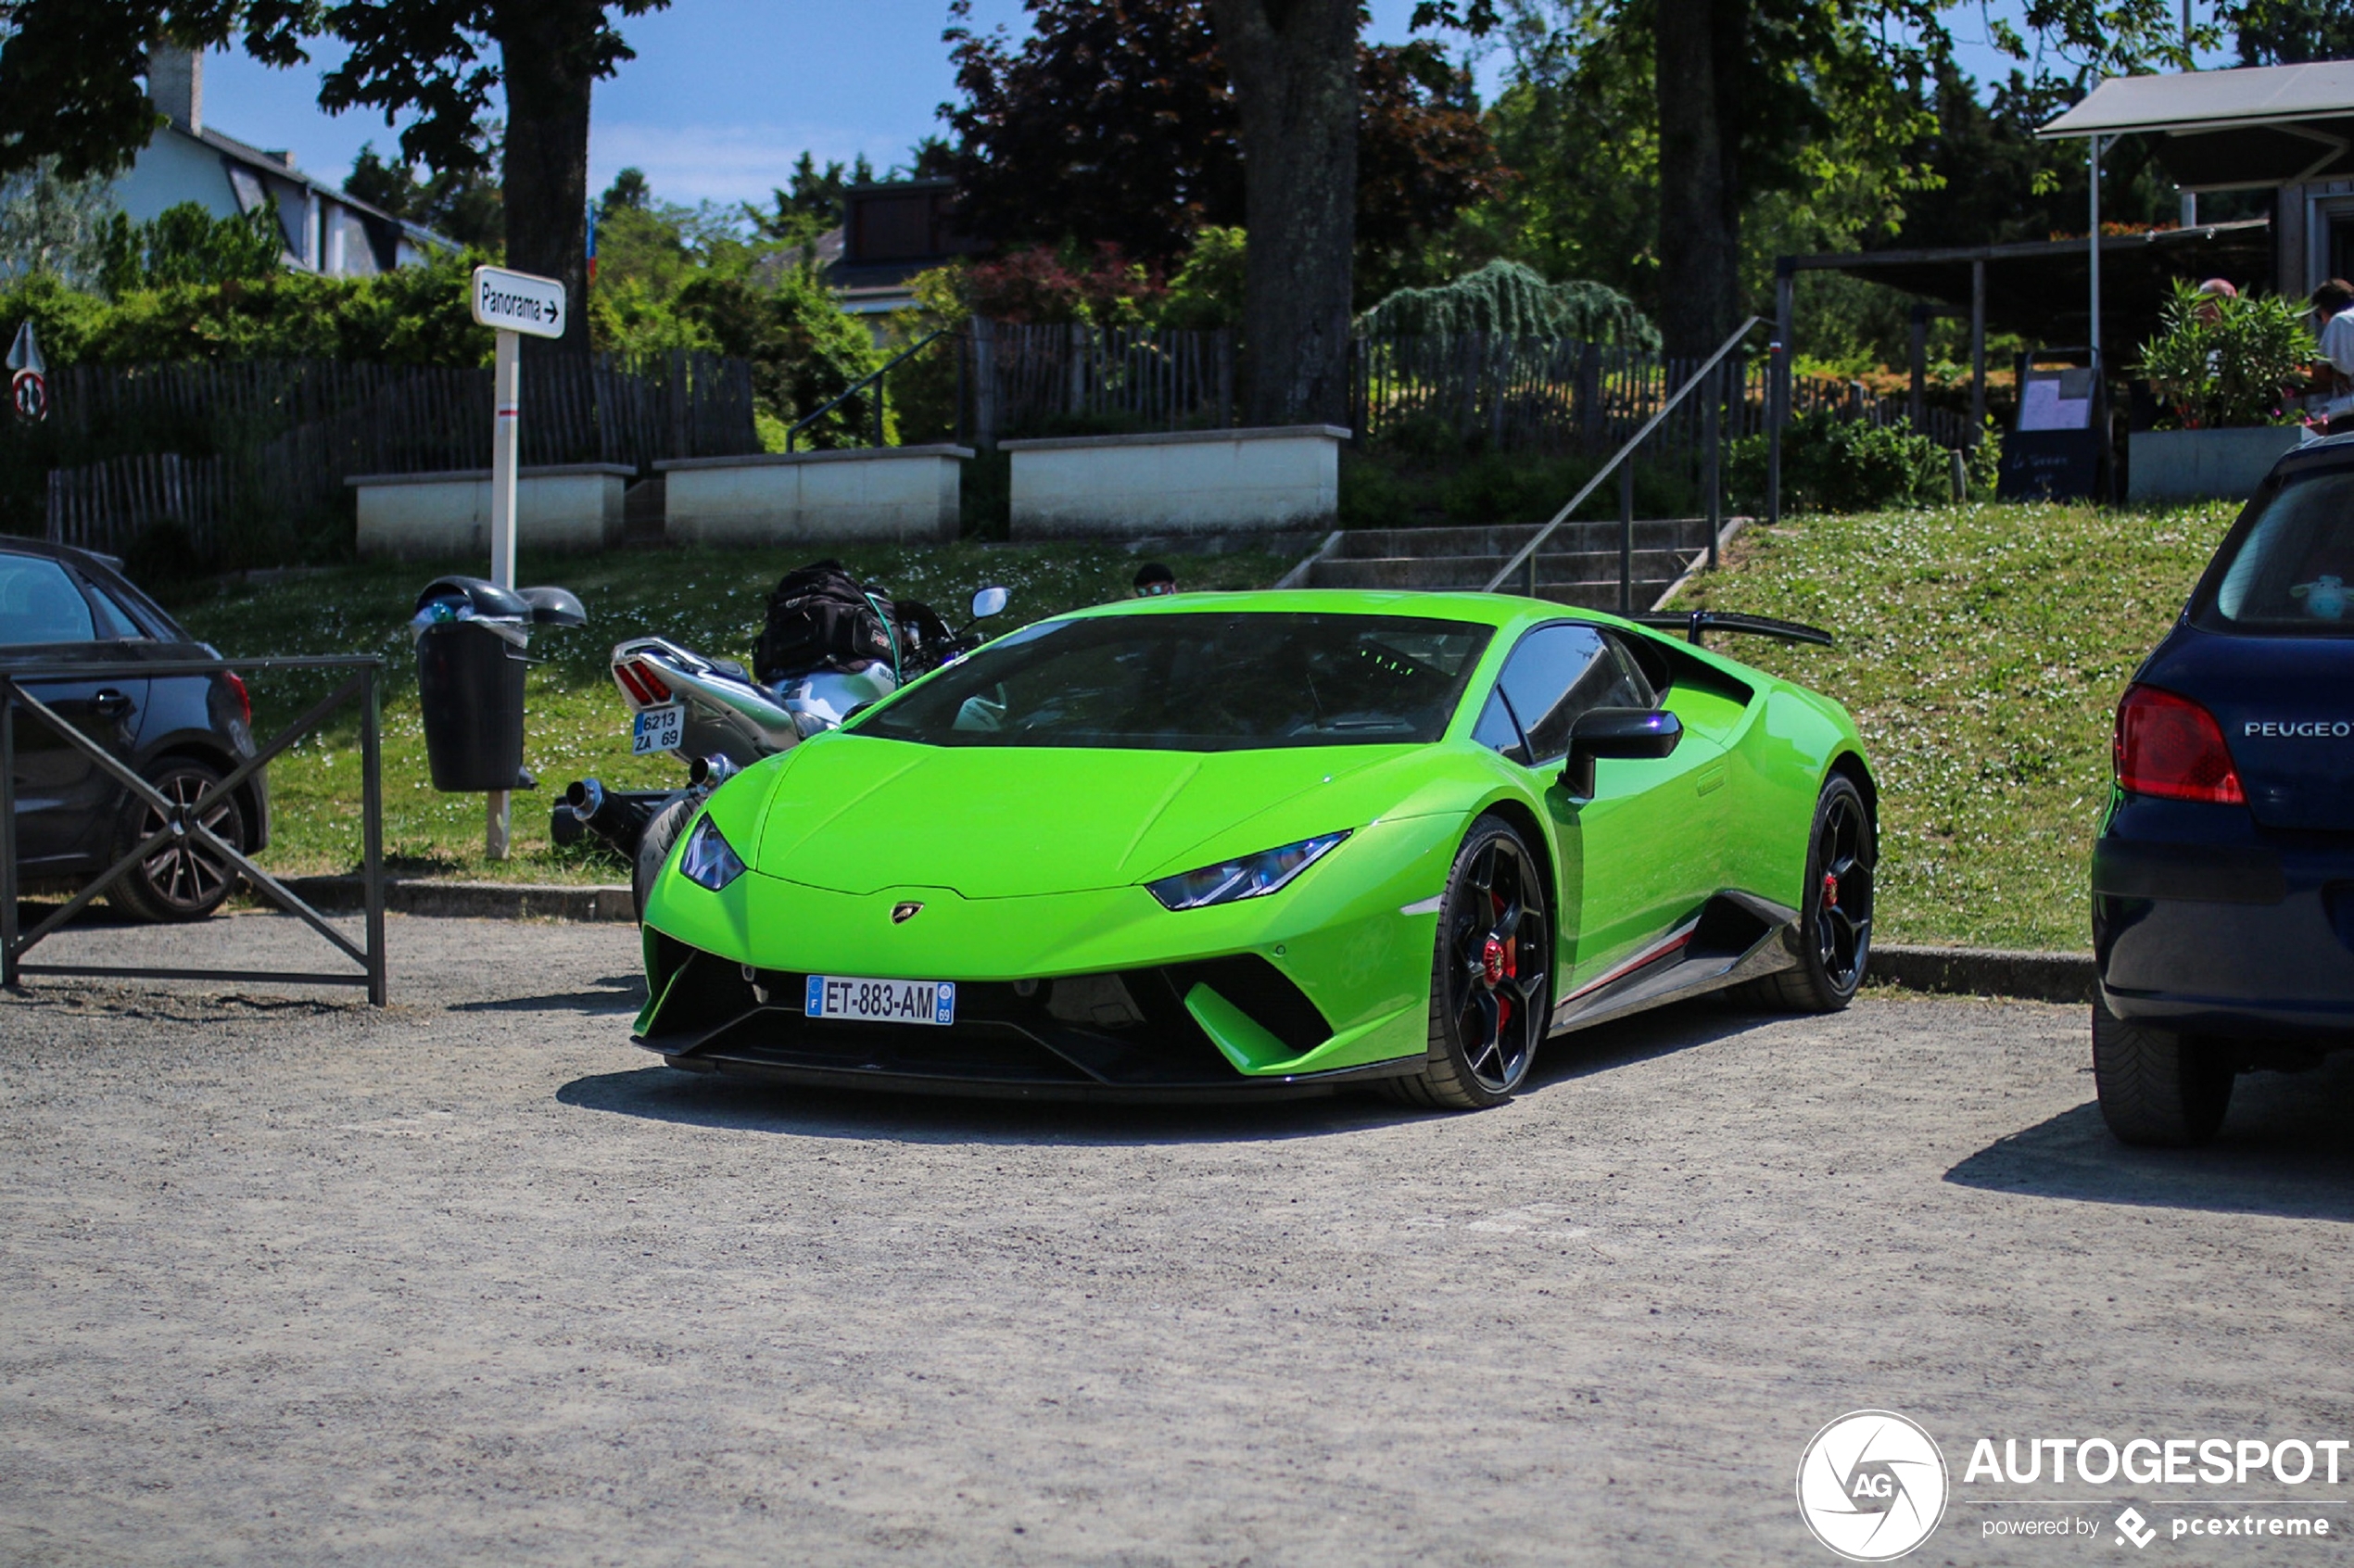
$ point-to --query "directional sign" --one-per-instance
(25, 353)
(519, 302)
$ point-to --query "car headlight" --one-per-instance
(1249, 877)
(707, 861)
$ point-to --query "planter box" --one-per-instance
(2204, 464)
(1184, 482)
(433, 517)
(898, 493)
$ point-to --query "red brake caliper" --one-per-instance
(1830, 891)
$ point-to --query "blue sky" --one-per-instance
(725, 93)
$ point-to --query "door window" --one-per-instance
(114, 622)
(39, 603)
(1561, 672)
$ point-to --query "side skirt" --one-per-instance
(1735, 937)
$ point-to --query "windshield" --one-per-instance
(2290, 570)
(1199, 681)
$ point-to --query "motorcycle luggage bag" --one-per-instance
(820, 618)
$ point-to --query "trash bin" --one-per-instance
(471, 638)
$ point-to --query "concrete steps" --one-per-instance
(1578, 565)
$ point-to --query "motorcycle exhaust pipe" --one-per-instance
(618, 817)
(709, 773)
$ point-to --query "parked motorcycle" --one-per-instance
(721, 719)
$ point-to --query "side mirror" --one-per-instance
(1616, 732)
(990, 601)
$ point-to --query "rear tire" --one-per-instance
(183, 880)
(1491, 976)
(1835, 917)
(2160, 1089)
(654, 849)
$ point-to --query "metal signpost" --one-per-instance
(511, 304)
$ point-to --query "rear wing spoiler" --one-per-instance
(1693, 623)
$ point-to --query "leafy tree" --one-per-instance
(186, 245)
(2292, 32)
(628, 192)
(1745, 95)
(433, 56)
(68, 89)
(52, 226)
(460, 204)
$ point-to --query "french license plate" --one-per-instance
(658, 730)
(882, 1001)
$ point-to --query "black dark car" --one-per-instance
(2223, 876)
(182, 733)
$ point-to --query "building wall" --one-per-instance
(172, 169)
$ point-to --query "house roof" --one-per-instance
(281, 166)
(2224, 129)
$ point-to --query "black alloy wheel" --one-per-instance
(1834, 934)
(184, 878)
(1491, 981)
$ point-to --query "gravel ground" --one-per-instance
(469, 1280)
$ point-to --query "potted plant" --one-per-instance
(2226, 367)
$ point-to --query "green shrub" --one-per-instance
(1389, 489)
(2221, 362)
(1834, 465)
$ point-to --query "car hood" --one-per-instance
(858, 814)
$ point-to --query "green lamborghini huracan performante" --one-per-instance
(1230, 844)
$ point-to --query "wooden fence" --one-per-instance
(285, 436)
(103, 506)
(1035, 380)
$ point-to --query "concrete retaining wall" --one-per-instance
(428, 516)
(2203, 464)
(1182, 482)
(898, 493)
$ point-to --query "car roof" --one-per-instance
(105, 569)
(1502, 610)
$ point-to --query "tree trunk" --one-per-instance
(1293, 65)
(549, 63)
(1698, 48)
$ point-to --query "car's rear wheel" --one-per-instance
(1835, 915)
(1491, 976)
(654, 849)
(2156, 1087)
(187, 878)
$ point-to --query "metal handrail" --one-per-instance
(851, 390)
(1529, 550)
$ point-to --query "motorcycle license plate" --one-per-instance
(882, 1001)
(658, 730)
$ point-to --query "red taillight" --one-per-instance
(2170, 747)
(644, 687)
(245, 703)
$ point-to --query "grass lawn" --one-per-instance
(711, 600)
(1982, 650)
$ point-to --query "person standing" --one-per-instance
(2334, 315)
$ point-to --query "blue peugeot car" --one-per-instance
(2223, 876)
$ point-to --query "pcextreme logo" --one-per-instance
(1872, 1485)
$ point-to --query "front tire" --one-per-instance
(654, 849)
(2158, 1089)
(1491, 976)
(1835, 916)
(185, 879)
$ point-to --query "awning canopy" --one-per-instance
(2227, 130)
(2038, 289)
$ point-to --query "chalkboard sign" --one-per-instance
(2050, 465)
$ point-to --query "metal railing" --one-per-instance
(875, 376)
(1525, 560)
(182, 824)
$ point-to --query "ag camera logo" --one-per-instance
(1872, 1485)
